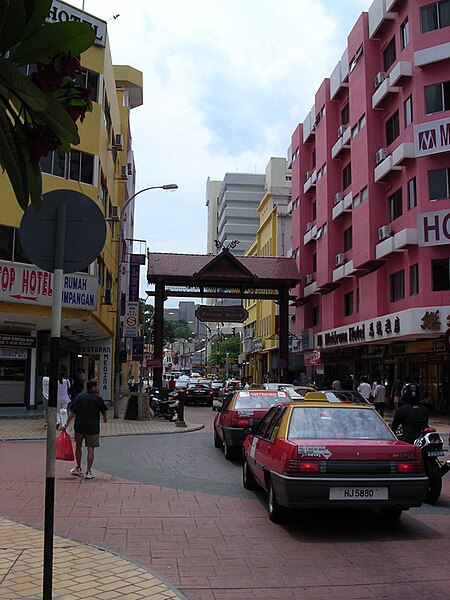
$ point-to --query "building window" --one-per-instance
(437, 97)
(440, 274)
(356, 201)
(315, 316)
(313, 159)
(389, 55)
(10, 246)
(107, 115)
(314, 262)
(348, 304)
(395, 205)
(345, 114)
(404, 34)
(348, 239)
(74, 165)
(100, 271)
(89, 79)
(392, 128)
(412, 193)
(414, 280)
(397, 286)
(353, 62)
(364, 194)
(435, 16)
(439, 184)
(408, 111)
(313, 211)
(346, 176)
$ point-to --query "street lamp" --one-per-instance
(167, 186)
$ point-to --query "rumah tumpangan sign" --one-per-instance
(224, 314)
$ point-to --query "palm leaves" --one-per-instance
(29, 110)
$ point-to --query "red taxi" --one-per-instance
(241, 410)
(332, 453)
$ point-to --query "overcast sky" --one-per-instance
(226, 82)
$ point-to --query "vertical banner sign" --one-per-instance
(133, 290)
(102, 348)
(130, 326)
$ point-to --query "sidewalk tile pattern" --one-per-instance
(79, 571)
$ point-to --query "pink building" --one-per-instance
(371, 204)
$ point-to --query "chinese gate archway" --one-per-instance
(221, 276)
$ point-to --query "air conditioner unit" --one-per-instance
(118, 142)
(337, 198)
(341, 130)
(379, 78)
(340, 259)
(108, 297)
(308, 279)
(309, 226)
(130, 168)
(384, 233)
(381, 155)
(115, 212)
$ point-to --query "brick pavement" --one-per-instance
(224, 548)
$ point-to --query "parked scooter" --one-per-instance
(431, 447)
(164, 407)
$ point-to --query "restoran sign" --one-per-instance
(27, 284)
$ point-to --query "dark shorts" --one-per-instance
(90, 440)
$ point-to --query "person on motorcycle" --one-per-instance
(411, 416)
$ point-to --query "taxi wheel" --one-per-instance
(229, 451)
(217, 440)
(276, 512)
(247, 478)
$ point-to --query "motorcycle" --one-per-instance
(431, 446)
(164, 407)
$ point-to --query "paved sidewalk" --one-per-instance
(100, 575)
(79, 571)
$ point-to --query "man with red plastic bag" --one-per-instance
(86, 410)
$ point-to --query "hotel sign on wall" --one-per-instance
(434, 228)
(27, 284)
(432, 137)
(62, 13)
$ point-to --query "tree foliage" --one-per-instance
(38, 112)
(218, 355)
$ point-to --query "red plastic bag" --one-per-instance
(64, 450)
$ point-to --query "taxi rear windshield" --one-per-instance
(319, 423)
(258, 400)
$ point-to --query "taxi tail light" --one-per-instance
(294, 465)
(237, 421)
(412, 466)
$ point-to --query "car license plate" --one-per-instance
(435, 453)
(359, 493)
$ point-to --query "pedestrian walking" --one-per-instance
(62, 400)
(336, 385)
(45, 391)
(396, 392)
(86, 410)
(165, 383)
(78, 382)
(379, 398)
(365, 389)
(171, 384)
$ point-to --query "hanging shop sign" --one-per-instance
(131, 321)
(103, 349)
(17, 341)
(223, 314)
(28, 284)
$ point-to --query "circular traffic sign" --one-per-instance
(85, 231)
(131, 321)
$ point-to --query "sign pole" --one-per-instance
(49, 510)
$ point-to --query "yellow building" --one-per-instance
(102, 168)
(274, 238)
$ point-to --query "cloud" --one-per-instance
(225, 84)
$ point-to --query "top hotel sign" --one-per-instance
(62, 12)
(432, 137)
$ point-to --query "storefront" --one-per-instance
(17, 362)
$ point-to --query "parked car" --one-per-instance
(182, 382)
(240, 410)
(216, 387)
(324, 452)
(198, 393)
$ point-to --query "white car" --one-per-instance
(182, 382)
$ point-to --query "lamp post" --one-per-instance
(168, 186)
